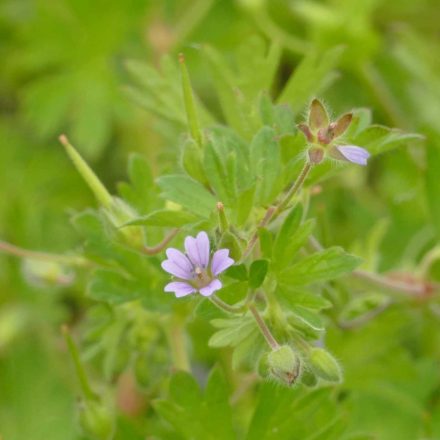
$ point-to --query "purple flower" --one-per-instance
(194, 269)
(351, 153)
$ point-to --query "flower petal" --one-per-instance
(179, 288)
(208, 290)
(174, 269)
(354, 154)
(197, 249)
(221, 261)
(180, 259)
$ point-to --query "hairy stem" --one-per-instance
(153, 250)
(419, 288)
(71, 260)
(264, 329)
(273, 211)
(80, 372)
(224, 306)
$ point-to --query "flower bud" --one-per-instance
(97, 420)
(316, 155)
(284, 364)
(324, 365)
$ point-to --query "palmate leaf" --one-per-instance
(142, 191)
(188, 193)
(295, 414)
(238, 90)
(266, 165)
(321, 266)
(195, 414)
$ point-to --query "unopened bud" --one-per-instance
(284, 364)
(96, 420)
(316, 155)
(324, 365)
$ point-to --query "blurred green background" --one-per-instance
(64, 70)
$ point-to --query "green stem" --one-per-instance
(295, 187)
(264, 329)
(174, 329)
(79, 368)
(95, 185)
(417, 289)
(273, 211)
(43, 256)
(153, 250)
(226, 307)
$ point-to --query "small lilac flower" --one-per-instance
(351, 153)
(194, 269)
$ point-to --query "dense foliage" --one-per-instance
(244, 124)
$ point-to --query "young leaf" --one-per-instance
(283, 255)
(266, 165)
(319, 267)
(257, 273)
(188, 193)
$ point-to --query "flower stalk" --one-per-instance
(79, 368)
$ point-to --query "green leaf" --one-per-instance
(237, 272)
(216, 406)
(257, 273)
(165, 218)
(195, 415)
(266, 165)
(232, 332)
(308, 317)
(309, 300)
(188, 193)
(111, 287)
(379, 139)
(290, 240)
(319, 267)
(141, 193)
(266, 242)
(312, 75)
(432, 183)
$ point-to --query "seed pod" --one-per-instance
(192, 161)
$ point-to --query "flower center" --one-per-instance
(202, 278)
